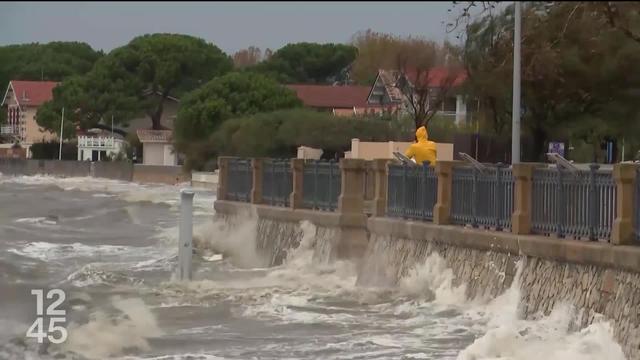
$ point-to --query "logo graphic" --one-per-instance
(56, 332)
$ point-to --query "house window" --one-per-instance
(449, 104)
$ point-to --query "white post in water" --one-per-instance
(185, 242)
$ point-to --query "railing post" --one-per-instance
(256, 191)
(297, 174)
(521, 217)
(380, 196)
(404, 190)
(315, 184)
(442, 209)
(625, 176)
(593, 202)
(561, 209)
(425, 191)
(351, 198)
(498, 197)
(223, 175)
(329, 182)
(474, 198)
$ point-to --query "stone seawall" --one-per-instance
(596, 278)
(124, 171)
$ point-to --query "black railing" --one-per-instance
(413, 191)
(580, 204)
(321, 185)
(239, 180)
(277, 182)
(482, 197)
(637, 206)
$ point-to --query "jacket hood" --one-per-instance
(422, 134)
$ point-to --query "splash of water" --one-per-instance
(105, 336)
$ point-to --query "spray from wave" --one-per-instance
(107, 335)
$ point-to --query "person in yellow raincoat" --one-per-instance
(423, 149)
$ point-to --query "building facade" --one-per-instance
(22, 100)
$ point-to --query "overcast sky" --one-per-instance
(231, 26)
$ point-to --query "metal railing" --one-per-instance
(580, 204)
(482, 197)
(637, 207)
(321, 185)
(277, 182)
(239, 180)
(413, 191)
(96, 141)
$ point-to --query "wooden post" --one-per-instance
(521, 217)
(625, 178)
(442, 209)
(380, 172)
(297, 168)
(223, 169)
(351, 198)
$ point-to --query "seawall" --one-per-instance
(124, 171)
(595, 277)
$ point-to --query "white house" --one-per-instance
(157, 147)
(97, 147)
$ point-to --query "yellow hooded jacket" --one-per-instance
(423, 150)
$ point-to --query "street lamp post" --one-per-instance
(515, 117)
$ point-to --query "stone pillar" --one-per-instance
(380, 172)
(521, 217)
(625, 178)
(442, 209)
(351, 198)
(256, 190)
(295, 199)
(223, 168)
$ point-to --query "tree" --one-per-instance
(425, 77)
(577, 73)
(247, 57)
(203, 110)
(54, 61)
(308, 62)
(375, 51)
(120, 83)
(280, 133)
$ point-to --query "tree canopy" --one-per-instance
(120, 83)
(235, 94)
(54, 61)
(279, 133)
(577, 73)
(309, 63)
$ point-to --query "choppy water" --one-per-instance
(112, 247)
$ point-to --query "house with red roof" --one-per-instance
(345, 100)
(390, 86)
(22, 100)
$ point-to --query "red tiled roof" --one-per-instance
(33, 93)
(437, 77)
(154, 135)
(329, 96)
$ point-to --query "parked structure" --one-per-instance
(157, 147)
(22, 100)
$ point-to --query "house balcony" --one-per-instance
(97, 142)
(9, 130)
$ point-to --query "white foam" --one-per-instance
(509, 337)
(104, 336)
(50, 251)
